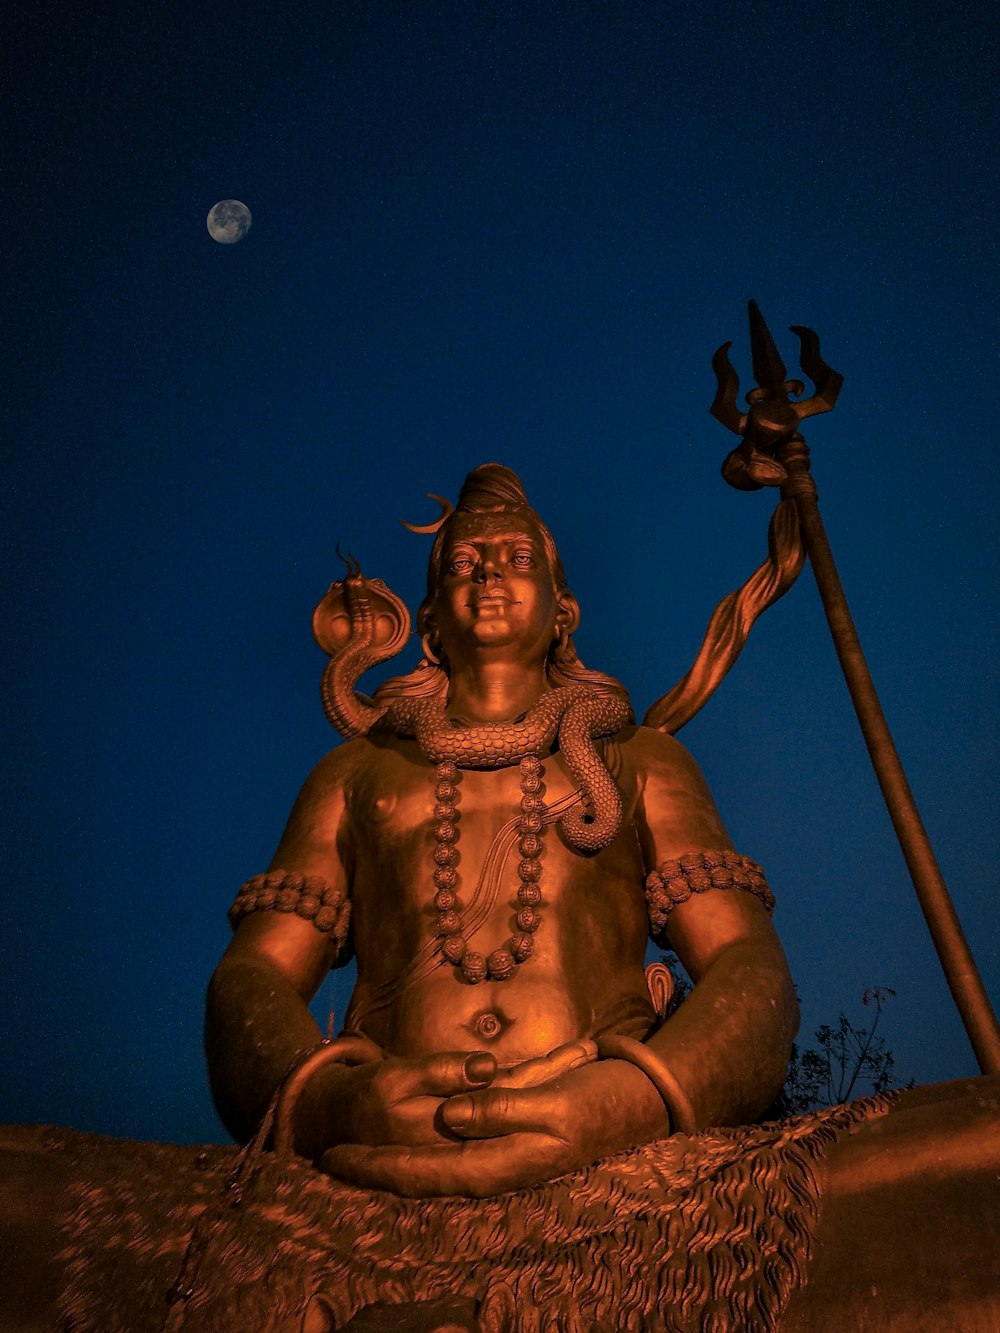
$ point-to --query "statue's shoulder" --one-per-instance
(359, 760)
(340, 768)
(654, 754)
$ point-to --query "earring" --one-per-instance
(432, 656)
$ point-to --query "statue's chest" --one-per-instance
(402, 802)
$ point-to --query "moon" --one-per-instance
(228, 221)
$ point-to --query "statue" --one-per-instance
(514, 1130)
(500, 835)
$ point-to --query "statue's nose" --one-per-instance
(487, 569)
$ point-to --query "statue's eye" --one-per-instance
(522, 560)
(461, 565)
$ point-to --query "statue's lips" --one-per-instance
(493, 599)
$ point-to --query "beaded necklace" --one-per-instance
(501, 963)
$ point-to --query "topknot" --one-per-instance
(491, 488)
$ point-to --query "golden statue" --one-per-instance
(500, 836)
(515, 1131)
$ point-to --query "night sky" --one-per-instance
(481, 231)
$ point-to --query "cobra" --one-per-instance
(361, 623)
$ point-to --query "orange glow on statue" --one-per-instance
(492, 825)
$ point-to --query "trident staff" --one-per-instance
(773, 453)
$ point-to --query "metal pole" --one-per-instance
(959, 966)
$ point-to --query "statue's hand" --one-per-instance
(513, 1137)
(396, 1101)
(545, 1068)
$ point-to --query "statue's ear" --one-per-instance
(568, 616)
(425, 619)
(429, 641)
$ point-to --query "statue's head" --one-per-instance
(495, 576)
(493, 510)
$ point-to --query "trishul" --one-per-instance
(773, 453)
(773, 418)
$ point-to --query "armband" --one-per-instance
(697, 872)
(675, 1100)
(308, 896)
(350, 1048)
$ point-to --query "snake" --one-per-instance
(577, 715)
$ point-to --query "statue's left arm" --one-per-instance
(727, 1046)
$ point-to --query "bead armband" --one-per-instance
(308, 896)
(675, 881)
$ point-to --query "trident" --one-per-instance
(773, 453)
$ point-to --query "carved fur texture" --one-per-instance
(709, 1233)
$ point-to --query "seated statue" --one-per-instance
(500, 838)
(515, 1131)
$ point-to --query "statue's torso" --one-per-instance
(585, 974)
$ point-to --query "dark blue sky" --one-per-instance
(481, 231)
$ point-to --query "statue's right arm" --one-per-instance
(257, 1021)
(258, 1024)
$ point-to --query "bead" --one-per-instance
(274, 879)
(445, 831)
(657, 897)
(445, 877)
(454, 948)
(446, 769)
(721, 879)
(530, 803)
(529, 869)
(529, 895)
(531, 783)
(530, 764)
(473, 967)
(657, 920)
(445, 855)
(265, 899)
(445, 791)
(325, 919)
(332, 897)
(532, 823)
(500, 964)
(520, 946)
(444, 900)
(309, 905)
(444, 810)
(530, 844)
(528, 919)
(449, 923)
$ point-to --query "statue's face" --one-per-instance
(496, 590)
